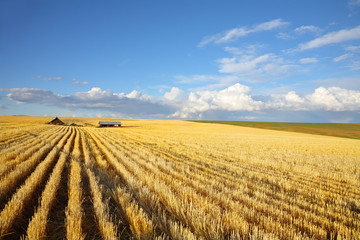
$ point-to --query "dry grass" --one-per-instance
(74, 212)
(178, 180)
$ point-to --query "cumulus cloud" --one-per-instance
(31, 95)
(236, 33)
(134, 103)
(236, 100)
(335, 99)
(331, 38)
(175, 94)
(322, 99)
(233, 98)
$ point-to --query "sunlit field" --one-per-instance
(167, 179)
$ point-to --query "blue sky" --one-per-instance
(230, 60)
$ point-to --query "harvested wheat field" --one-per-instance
(174, 180)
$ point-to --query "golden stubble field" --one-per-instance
(158, 179)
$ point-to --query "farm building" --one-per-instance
(109, 124)
(56, 121)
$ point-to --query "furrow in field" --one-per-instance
(23, 169)
(350, 223)
(171, 199)
(154, 205)
(104, 219)
(8, 140)
(317, 182)
(19, 201)
(191, 194)
(12, 152)
(132, 217)
(24, 154)
(56, 215)
(19, 135)
(37, 226)
(278, 203)
(90, 224)
(229, 172)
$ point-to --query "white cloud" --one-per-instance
(355, 65)
(285, 35)
(354, 49)
(354, 3)
(30, 95)
(304, 29)
(299, 31)
(290, 101)
(331, 38)
(308, 60)
(236, 33)
(254, 66)
(134, 103)
(342, 57)
(76, 82)
(213, 82)
(233, 98)
(236, 99)
(322, 99)
(241, 64)
(175, 94)
(52, 78)
(335, 99)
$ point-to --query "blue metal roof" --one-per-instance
(109, 123)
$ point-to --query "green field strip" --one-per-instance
(344, 130)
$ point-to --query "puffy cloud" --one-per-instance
(31, 95)
(233, 98)
(335, 99)
(322, 99)
(175, 94)
(333, 37)
(134, 103)
(236, 33)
